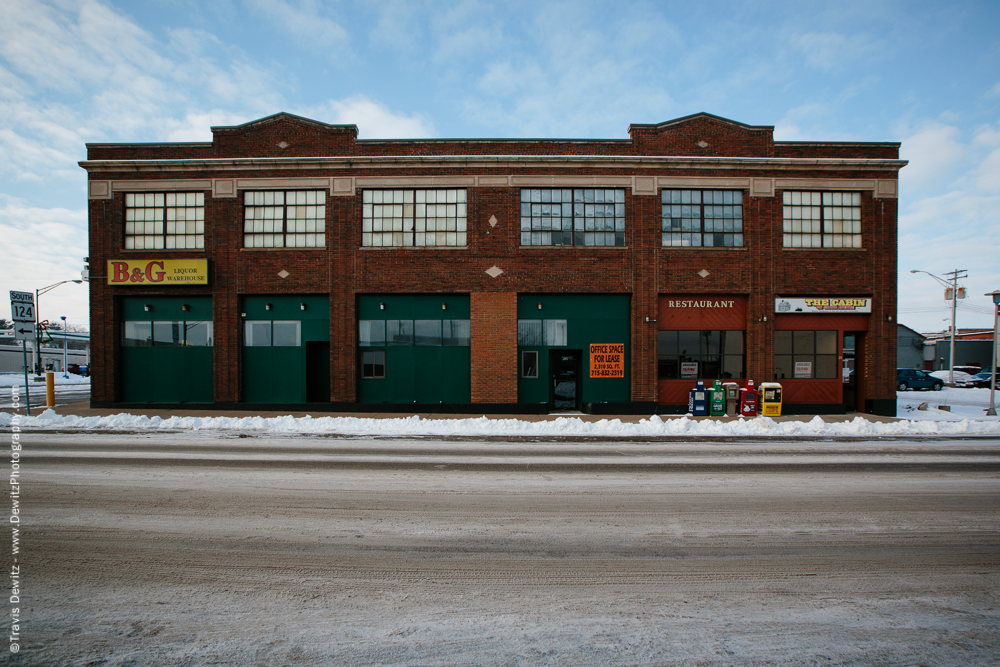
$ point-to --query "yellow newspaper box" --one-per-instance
(770, 399)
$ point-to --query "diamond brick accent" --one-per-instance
(493, 221)
(703, 273)
(283, 274)
(494, 271)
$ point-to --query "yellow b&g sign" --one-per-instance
(134, 272)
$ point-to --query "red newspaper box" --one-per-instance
(748, 400)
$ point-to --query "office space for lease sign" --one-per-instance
(607, 360)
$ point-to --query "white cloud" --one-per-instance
(43, 246)
(834, 51)
(933, 152)
(304, 22)
(374, 119)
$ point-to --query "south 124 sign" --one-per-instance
(607, 360)
(22, 306)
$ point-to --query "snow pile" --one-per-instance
(482, 426)
(17, 380)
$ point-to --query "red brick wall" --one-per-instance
(759, 271)
(494, 347)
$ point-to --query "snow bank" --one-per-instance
(17, 380)
(482, 426)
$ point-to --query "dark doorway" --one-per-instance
(564, 371)
(853, 368)
(317, 371)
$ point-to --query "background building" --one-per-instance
(287, 262)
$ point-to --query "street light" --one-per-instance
(992, 411)
(35, 350)
(953, 286)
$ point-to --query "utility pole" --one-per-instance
(992, 411)
(954, 277)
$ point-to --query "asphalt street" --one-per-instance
(191, 549)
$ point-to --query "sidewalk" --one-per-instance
(83, 409)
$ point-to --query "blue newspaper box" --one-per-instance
(698, 400)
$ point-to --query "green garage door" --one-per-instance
(286, 349)
(414, 348)
(166, 352)
(556, 364)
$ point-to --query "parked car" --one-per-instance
(971, 370)
(961, 379)
(78, 369)
(912, 378)
(981, 380)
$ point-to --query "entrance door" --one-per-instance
(853, 369)
(564, 371)
(318, 371)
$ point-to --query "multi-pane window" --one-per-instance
(708, 355)
(413, 218)
(578, 216)
(822, 219)
(197, 333)
(164, 220)
(422, 333)
(284, 219)
(805, 354)
(710, 218)
(272, 333)
(538, 333)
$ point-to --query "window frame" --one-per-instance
(318, 235)
(701, 233)
(525, 355)
(576, 234)
(163, 236)
(788, 222)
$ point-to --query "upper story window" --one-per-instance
(822, 219)
(709, 218)
(406, 218)
(578, 216)
(284, 219)
(164, 220)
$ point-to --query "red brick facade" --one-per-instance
(700, 151)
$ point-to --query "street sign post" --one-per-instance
(22, 311)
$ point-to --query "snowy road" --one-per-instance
(174, 549)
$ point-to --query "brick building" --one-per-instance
(287, 262)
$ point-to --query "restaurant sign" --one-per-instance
(825, 304)
(135, 272)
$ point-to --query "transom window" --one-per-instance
(710, 218)
(191, 333)
(164, 220)
(578, 216)
(284, 219)
(272, 333)
(822, 219)
(422, 333)
(542, 333)
(406, 218)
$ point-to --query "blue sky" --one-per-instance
(926, 74)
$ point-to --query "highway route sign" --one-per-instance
(22, 307)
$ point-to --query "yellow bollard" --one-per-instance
(50, 389)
